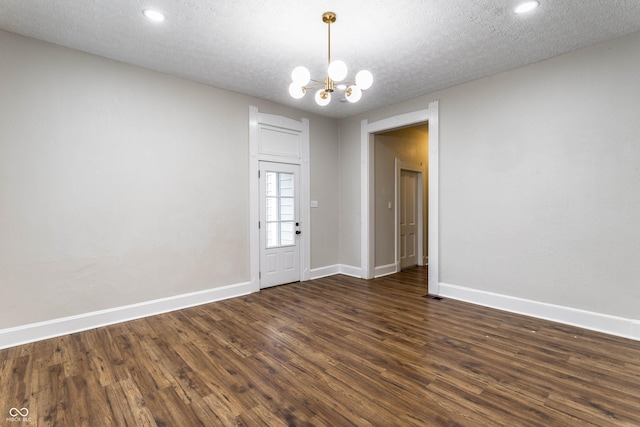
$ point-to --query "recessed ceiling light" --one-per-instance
(153, 15)
(526, 6)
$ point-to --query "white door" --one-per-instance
(279, 224)
(408, 218)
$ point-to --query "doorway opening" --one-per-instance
(368, 234)
(400, 195)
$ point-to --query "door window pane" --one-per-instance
(286, 233)
(272, 184)
(272, 234)
(272, 209)
(280, 209)
(286, 184)
(286, 209)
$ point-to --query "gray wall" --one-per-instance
(539, 180)
(121, 185)
(349, 224)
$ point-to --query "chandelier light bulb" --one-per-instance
(337, 70)
(301, 75)
(296, 90)
(364, 79)
(322, 97)
(353, 93)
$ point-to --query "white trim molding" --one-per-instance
(433, 241)
(256, 120)
(331, 270)
(385, 270)
(25, 334)
(613, 325)
(254, 197)
(349, 270)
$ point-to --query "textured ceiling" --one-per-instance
(412, 47)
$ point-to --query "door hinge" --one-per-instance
(258, 224)
(258, 173)
(259, 275)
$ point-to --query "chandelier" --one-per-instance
(337, 72)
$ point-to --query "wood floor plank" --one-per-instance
(606, 408)
(336, 351)
(45, 403)
(17, 392)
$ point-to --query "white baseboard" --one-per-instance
(349, 270)
(385, 270)
(67, 325)
(613, 325)
(329, 270)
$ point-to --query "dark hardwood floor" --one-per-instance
(336, 351)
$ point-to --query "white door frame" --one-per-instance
(367, 232)
(257, 119)
(419, 170)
